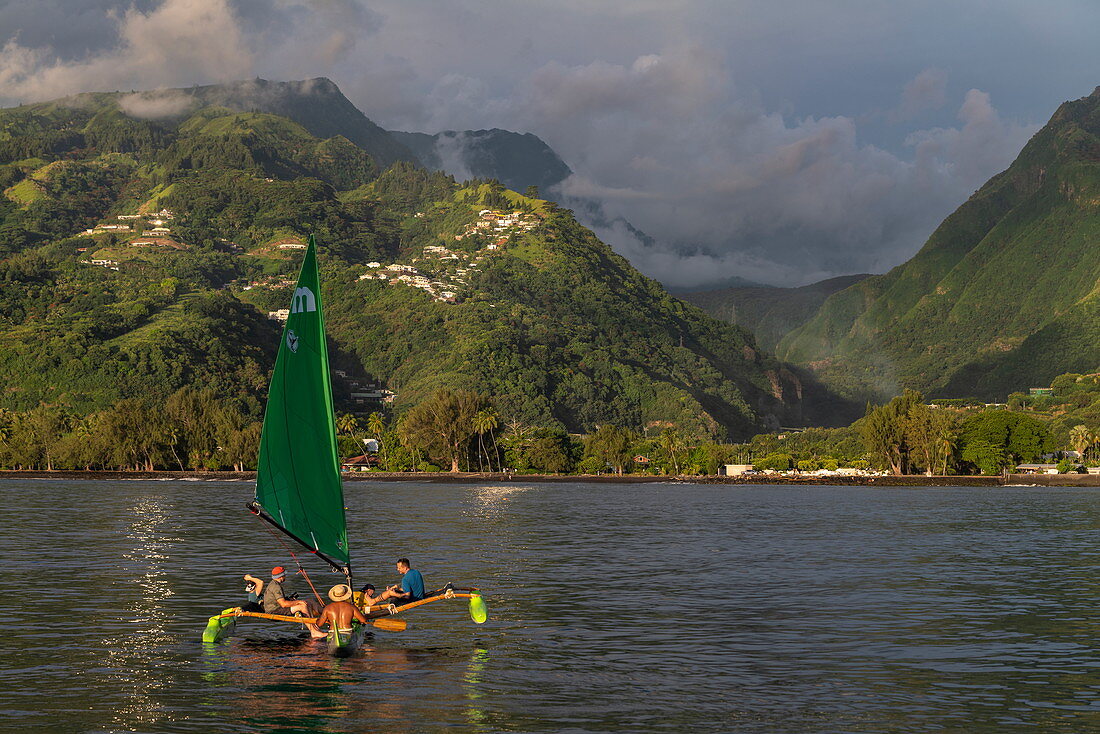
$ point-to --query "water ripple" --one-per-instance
(658, 608)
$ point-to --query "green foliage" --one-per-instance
(1068, 466)
(775, 462)
(406, 188)
(192, 430)
(540, 451)
(555, 328)
(611, 447)
(264, 145)
(443, 425)
(907, 436)
(769, 313)
(997, 439)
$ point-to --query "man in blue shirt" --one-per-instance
(411, 587)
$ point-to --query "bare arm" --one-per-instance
(359, 616)
(258, 583)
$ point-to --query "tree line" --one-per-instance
(192, 430)
(452, 430)
(461, 430)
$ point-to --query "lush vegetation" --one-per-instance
(556, 334)
(949, 436)
(1001, 298)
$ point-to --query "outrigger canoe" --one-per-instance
(299, 492)
(221, 626)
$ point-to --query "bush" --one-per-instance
(592, 465)
(777, 461)
(1068, 466)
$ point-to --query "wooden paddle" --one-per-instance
(389, 625)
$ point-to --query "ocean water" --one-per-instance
(648, 607)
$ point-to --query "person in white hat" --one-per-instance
(340, 612)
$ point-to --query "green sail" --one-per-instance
(298, 478)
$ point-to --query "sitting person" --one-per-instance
(411, 587)
(254, 587)
(276, 601)
(340, 613)
(365, 598)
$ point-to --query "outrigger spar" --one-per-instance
(299, 491)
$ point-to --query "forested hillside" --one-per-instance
(1004, 295)
(140, 255)
(769, 313)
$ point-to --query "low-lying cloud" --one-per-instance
(734, 189)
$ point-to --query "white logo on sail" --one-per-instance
(292, 340)
(304, 300)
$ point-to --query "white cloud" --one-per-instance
(155, 104)
(665, 144)
(179, 42)
(926, 91)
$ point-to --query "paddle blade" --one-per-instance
(478, 611)
(390, 625)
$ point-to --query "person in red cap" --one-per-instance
(275, 601)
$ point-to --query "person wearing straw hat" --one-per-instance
(340, 612)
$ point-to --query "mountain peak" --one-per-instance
(316, 104)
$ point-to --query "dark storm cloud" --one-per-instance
(772, 141)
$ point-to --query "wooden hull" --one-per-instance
(341, 644)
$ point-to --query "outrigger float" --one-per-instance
(299, 493)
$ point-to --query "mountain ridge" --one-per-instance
(1016, 266)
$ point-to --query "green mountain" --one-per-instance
(1004, 295)
(768, 312)
(141, 255)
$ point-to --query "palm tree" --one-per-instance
(347, 424)
(485, 421)
(1081, 438)
(672, 443)
(947, 442)
(377, 426)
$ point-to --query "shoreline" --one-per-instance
(1040, 480)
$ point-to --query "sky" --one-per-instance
(774, 141)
